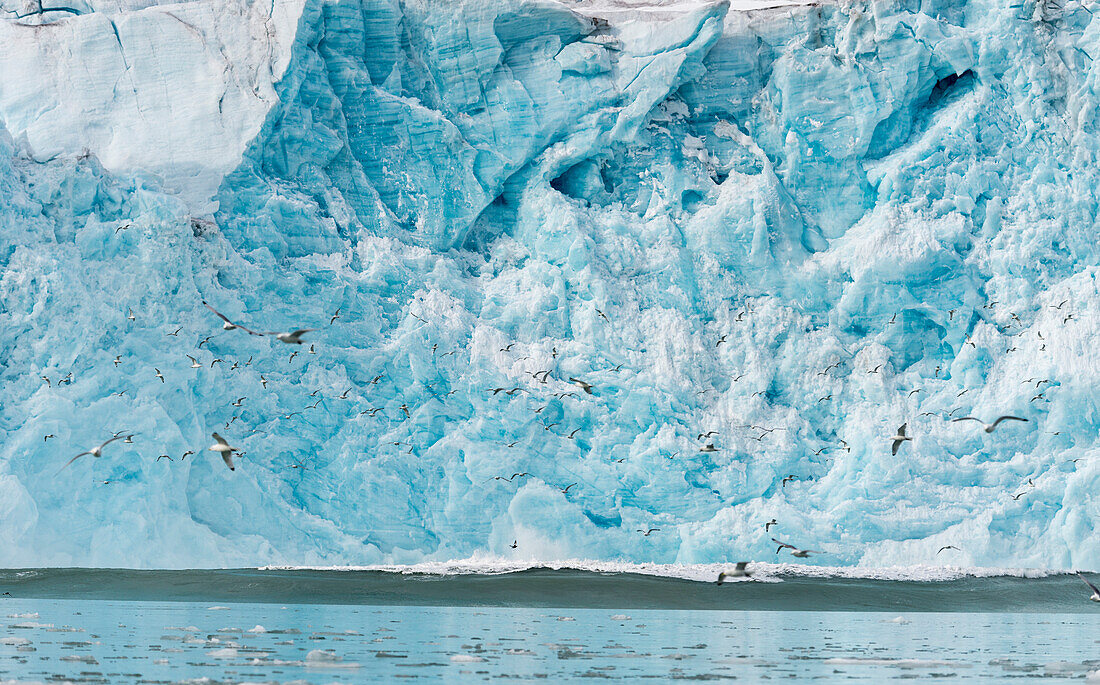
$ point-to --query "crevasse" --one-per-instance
(796, 225)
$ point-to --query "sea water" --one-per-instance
(538, 625)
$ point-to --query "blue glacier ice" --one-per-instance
(798, 225)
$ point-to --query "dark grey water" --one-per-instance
(541, 587)
(306, 627)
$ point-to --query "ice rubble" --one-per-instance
(603, 190)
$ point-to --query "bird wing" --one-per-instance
(81, 455)
(218, 314)
(1007, 418)
(302, 331)
(901, 430)
(783, 545)
(221, 441)
(117, 437)
(1091, 586)
(895, 446)
(227, 457)
(741, 565)
(967, 418)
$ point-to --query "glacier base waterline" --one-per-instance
(798, 227)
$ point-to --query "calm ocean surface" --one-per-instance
(273, 626)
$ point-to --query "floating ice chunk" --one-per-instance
(222, 653)
(14, 641)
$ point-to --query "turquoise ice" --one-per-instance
(797, 226)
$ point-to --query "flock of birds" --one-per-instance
(221, 446)
(227, 451)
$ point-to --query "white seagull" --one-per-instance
(95, 451)
(293, 337)
(898, 439)
(989, 427)
(194, 362)
(737, 571)
(795, 552)
(229, 325)
(223, 448)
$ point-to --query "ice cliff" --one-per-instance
(795, 225)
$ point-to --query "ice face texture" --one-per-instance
(797, 226)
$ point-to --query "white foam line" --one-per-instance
(697, 572)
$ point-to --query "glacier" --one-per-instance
(795, 224)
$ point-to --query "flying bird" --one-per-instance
(159, 374)
(709, 447)
(47, 437)
(738, 571)
(194, 362)
(587, 387)
(647, 532)
(229, 325)
(898, 440)
(566, 488)
(334, 317)
(118, 360)
(293, 337)
(224, 449)
(769, 524)
(96, 452)
(795, 551)
(948, 547)
(989, 427)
